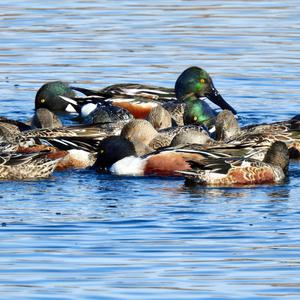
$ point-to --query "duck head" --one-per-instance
(194, 83)
(199, 112)
(112, 149)
(278, 155)
(48, 96)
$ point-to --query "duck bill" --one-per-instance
(215, 97)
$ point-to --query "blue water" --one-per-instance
(81, 235)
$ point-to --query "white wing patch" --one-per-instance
(133, 92)
(68, 100)
(70, 109)
(87, 109)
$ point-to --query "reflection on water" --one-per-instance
(90, 236)
(281, 195)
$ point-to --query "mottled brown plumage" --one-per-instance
(160, 118)
(27, 166)
(44, 118)
(241, 171)
(185, 134)
(139, 130)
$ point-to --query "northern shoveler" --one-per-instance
(80, 142)
(190, 134)
(84, 137)
(72, 158)
(226, 126)
(139, 130)
(120, 156)
(227, 129)
(20, 166)
(240, 171)
(233, 141)
(44, 118)
(13, 126)
(9, 129)
(48, 96)
(246, 145)
(263, 135)
(160, 118)
(112, 149)
(176, 110)
(104, 112)
(186, 134)
(199, 112)
(7, 147)
(193, 84)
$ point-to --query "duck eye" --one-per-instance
(101, 151)
(202, 80)
(195, 118)
(43, 100)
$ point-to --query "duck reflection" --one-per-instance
(271, 192)
(200, 192)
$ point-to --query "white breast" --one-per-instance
(130, 165)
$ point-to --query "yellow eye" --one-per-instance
(43, 100)
(202, 80)
(195, 118)
(101, 151)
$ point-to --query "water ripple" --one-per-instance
(89, 236)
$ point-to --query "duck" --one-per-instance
(196, 112)
(9, 129)
(23, 166)
(7, 146)
(151, 92)
(233, 171)
(278, 126)
(44, 118)
(121, 156)
(79, 136)
(183, 150)
(48, 96)
(186, 134)
(160, 118)
(79, 142)
(138, 99)
(193, 84)
(70, 159)
(13, 126)
(113, 148)
(229, 141)
(141, 130)
(260, 135)
(104, 112)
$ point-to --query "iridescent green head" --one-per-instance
(199, 112)
(48, 96)
(194, 83)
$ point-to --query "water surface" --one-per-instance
(81, 235)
